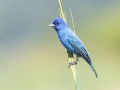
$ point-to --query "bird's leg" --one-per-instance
(75, 62)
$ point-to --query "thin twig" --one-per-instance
(70, 55)
(72, 19)
(78, 70)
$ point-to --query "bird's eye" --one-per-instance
(57, 23)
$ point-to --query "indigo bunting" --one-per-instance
(71, 42)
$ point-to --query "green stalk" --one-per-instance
(70, 55)
(76, 74)
(77, 85)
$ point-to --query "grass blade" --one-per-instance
(70, 55)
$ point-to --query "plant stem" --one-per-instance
(76, 74)
(77, 87)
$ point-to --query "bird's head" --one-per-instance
(58, 24)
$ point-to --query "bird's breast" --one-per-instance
(64, 40)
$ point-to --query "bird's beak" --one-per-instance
(51, 25)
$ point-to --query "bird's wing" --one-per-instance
(80, 48)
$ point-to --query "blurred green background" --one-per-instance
(32, 58)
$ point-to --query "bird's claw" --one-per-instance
(72, 63)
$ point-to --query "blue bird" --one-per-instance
(71, 42)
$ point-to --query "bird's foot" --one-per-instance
(74, 63)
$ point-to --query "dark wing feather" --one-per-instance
(79, 47)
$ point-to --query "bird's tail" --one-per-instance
(91, 65)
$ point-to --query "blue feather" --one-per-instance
(71, 42)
